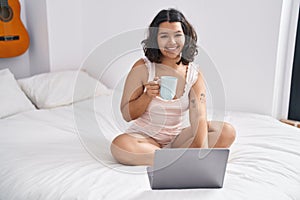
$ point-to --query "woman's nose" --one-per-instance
(172, 40)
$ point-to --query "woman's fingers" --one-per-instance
(152, 88)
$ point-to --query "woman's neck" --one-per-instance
(171, 62)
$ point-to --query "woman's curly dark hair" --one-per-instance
(150, 44)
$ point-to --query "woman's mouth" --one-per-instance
(171, 49)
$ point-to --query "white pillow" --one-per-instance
(54, 89)
(13, 100)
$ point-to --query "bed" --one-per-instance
(50, 151)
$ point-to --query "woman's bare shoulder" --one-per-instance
(139, 63)
(139, 71)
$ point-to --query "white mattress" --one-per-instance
(42, 156)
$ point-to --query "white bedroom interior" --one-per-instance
(58, 147)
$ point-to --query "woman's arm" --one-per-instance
(197, 111)
(134, 100)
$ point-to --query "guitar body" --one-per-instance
(14, 39)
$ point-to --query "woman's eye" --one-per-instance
(178, 35)
(163, 36)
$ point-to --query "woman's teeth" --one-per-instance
(171, 48)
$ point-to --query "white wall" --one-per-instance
(37, 23)
(65, 33)
(242, 37)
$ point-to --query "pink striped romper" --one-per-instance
(163, 119)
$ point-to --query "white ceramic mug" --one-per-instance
(168, 85)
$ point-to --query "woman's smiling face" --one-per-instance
(170, 39)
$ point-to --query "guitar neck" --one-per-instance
(3, 3)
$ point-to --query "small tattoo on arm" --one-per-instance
(193, 101)
(202, 98)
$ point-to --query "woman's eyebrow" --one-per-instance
(161, 33)
(179, 31)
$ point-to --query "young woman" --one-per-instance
(169, 50)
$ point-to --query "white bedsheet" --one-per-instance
(42, 157)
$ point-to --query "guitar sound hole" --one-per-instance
(6, 14)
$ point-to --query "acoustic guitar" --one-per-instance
(14, 39)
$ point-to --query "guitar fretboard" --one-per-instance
(3, 3)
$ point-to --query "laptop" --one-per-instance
(183, 168)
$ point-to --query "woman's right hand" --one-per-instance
(152, 88)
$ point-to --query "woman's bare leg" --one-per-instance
(220, 135)
(134, 149)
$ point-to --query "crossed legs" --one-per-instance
(137, 149)
(220, 135)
